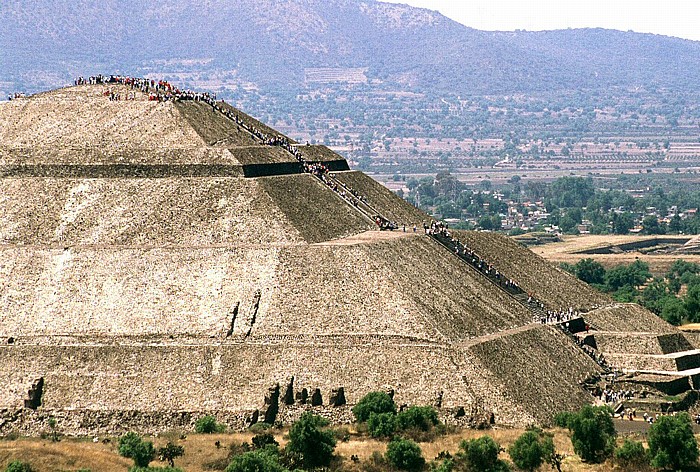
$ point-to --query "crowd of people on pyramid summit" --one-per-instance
(16, 95)
(157, 90)
(162, 90)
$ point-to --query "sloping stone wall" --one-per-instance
(82, 117)
(628, 317)
(142, 212)
(316, 212)
(549, 284)
(228, 377)
(392, 207)
(540, 370)
(212, 126)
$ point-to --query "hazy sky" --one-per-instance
(668, 17)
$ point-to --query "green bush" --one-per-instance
(481, 455)
(262, 440)
(381, 425)
(446, 465)
(18, 466)
(532, 449)
(312, 444)
(405, 455)
(672, 443)
(373, 402)
(208, 425)
(259, 427)
(170, 452)
(592, 432)
(262, 460)
(631, 456)
(133, 447)
(418, 417)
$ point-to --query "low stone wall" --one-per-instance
(639, 362)
(107, 162)
(641, 343)
(663, 384)
(106, 423)
(120, 171)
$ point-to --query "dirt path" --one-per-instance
(497, 335)
(368, 237)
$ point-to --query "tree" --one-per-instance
(381, 424)
(54, 431)
(18, 466)
(263, 460)
(169, 452)
(632, 275)
(675, 225)
(133, 447)
(263, 440)
(673, 310)
(314, 445)
(568, 225)
(208, 425)
(481, 455)
(692, 303)
(590, 271)
(651, 225)
(631, 456)
(405, 455)
(373, 402)
(622, 223)
(592, 432)
(672, 443)
(418, 417)
(532, 449)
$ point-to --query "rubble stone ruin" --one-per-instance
(146, 244)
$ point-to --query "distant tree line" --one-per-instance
(675, 297)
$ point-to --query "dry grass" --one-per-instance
(566, 251)
(72, 454)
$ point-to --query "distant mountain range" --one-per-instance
(271, 42)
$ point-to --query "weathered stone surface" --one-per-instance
(337, 397)
(316, 398)
(302, 396)
(35, 393)
(272, 405)
(288, 398)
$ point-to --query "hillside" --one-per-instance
(270, 43)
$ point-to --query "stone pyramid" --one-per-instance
(162, 260)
